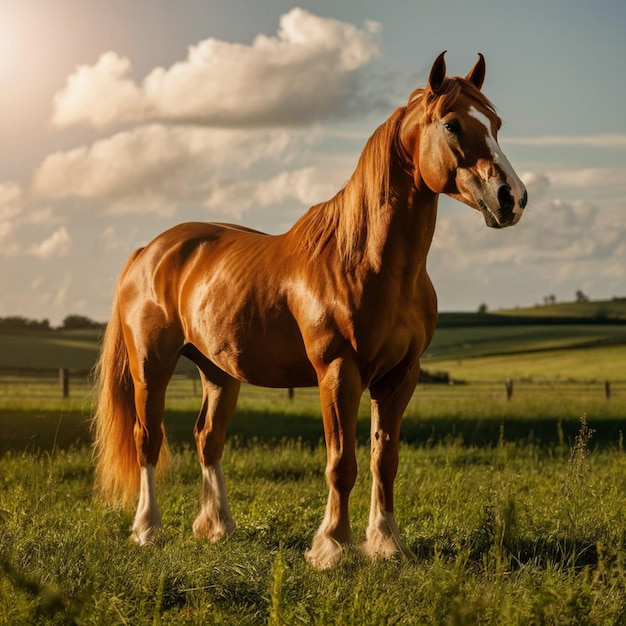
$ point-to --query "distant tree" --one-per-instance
(551, 299)
(482, 309)
(581, 297)
(75, 322)
(18, 323)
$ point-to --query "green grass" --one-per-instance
(514, 533)
(511, 519)
(76, 349)
(514, 510)
(471, 412)
(583, 364)
(467, 342)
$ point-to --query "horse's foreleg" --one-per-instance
(389, 400)
(340, 393)
(215, 520)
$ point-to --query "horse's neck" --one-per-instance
(406, 235)
(380, 220)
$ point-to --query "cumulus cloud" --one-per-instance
(57, 244)
(588, 177)
(10, 200)
(536, 184)
(554, 231)
(306, 186)
(313, 69)
(155, 168)
(99, 94)
(615, 140)
(558, 247)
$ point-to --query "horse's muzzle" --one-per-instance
(508, 211)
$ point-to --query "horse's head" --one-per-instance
(450, 132)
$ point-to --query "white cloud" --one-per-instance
(306, 186)
(57, 244)
(553, 232)
(155, 168)
(99, 95)
(615, 140)
(10, 200)
(311, 70)
(588, 177)
(557, 248)
(536, 184)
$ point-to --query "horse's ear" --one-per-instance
(477, 73)
(437, 73)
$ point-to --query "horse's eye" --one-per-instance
(452, 126)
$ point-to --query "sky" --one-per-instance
(120, 119)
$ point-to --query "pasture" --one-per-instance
(514, 509)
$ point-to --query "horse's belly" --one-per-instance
(266, 360)
(271, 366)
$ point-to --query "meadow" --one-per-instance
(514, 509)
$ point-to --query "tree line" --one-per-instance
(71, 322)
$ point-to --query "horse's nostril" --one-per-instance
(524, 201)
(505, 198)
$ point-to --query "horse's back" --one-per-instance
(224, 289)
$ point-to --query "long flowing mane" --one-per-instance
(355, 211)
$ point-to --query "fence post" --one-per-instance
(64, 380)
(607, 389)
(290, 393)
(509, 388)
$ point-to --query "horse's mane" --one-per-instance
(355, 211)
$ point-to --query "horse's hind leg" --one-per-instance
(149, 405)
(220, 394)
(152, 359)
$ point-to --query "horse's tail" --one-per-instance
(117, 468)
(117, 474)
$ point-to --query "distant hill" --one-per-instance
(459, 335)
(597, 312)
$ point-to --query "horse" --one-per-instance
(341, 301)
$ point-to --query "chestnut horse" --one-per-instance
(341, 301)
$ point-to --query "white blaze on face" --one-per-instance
(511, 178)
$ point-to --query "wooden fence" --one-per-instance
(42, 384)
(39, 382)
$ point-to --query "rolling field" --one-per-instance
(514, 509)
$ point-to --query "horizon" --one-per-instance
(477, 311)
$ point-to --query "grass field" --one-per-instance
(514, 509)
(514, 513)
(513, 533)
